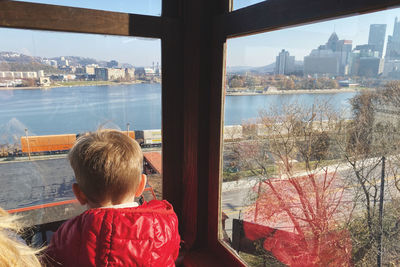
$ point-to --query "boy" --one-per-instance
(115, 231)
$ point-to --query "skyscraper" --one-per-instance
(284, 63)
(332, 42)
(343, 49)
(331, 58)
(376, 37)
(393, 43)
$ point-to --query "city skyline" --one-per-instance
(255, 50)
(262, 49)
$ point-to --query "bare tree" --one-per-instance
(296, 141)
(301, 192)
(368, 144)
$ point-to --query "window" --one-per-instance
(55, 87)
(310, 154)
(193, 43)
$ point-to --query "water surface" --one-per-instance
(78, 109)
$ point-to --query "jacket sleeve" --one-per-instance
(63, 244)
(176, 239)
(51, 257)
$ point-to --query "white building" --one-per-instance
(109, 74)
(284, 63)
(19, 74)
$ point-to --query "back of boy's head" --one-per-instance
(107, 165)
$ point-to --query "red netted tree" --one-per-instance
(301, 206)
(300, 220)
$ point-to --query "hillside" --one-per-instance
(13, 61)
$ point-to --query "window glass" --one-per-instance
(311, 144)
(55, 87)
(148, 7)
(237, 4)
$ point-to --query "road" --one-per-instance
(237, 201)
(233, 204)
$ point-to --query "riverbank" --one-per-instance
(306, 91)
(73, 84)
(237, 93)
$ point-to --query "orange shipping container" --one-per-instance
(48, 143)
(131, 134)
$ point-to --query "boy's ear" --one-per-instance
(141, 186)
(80, 196)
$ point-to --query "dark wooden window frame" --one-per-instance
(193, 44)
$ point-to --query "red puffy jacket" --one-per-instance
(141, 236)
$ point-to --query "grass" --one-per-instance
(272, 170)
(260, 261)
(301, 166)
(235, 176)
(77, 83)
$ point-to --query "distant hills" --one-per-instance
(16, 61)
(258, 70)
(244, 69)
(14, 57)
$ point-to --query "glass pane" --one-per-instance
(147, 7)
(311, 144)
(237, 4)
(55, 87)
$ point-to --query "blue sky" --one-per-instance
(255, 50)
(146, 7)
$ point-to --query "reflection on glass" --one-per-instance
(311, 144)
(55, 87)
(148, 7)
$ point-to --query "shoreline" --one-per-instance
(305, 91)
(65, 85)
(280, 92)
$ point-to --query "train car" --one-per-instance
(47, 143)
(148, 138)
(131, 134)
(53, 143)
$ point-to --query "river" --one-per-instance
(86, 108)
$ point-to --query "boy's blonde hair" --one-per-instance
(107, 165)
(12, 251)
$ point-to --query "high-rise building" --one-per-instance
(370, 66)
(321, 62)
(331, 58)
(343, 50)
(377, 33)
(332, 42)
(365, 61)
(396, 29)
(284, 63)
(393, 43)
